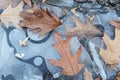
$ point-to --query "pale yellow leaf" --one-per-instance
(12, 15)
(112, 54)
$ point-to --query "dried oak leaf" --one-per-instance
(40, 20)
(12, 15)
(87, 75)
(81, 30)
(115, 23)
(68, 62)
(112, 54)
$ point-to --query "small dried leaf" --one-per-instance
(68, 62)
(23, 42)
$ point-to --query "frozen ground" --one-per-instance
(16, 69)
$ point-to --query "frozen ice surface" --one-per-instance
(10, 66)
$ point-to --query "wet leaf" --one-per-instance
(81, 30)
(68, 62)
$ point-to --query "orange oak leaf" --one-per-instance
(81, 30)
(112, 54)
(68, 62)
(115, 23)
(40, 20)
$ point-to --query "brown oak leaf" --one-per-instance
(115, 23)
(81, 30)
(87, 75)
(40, 20)
(112, 54)
(68, 62)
